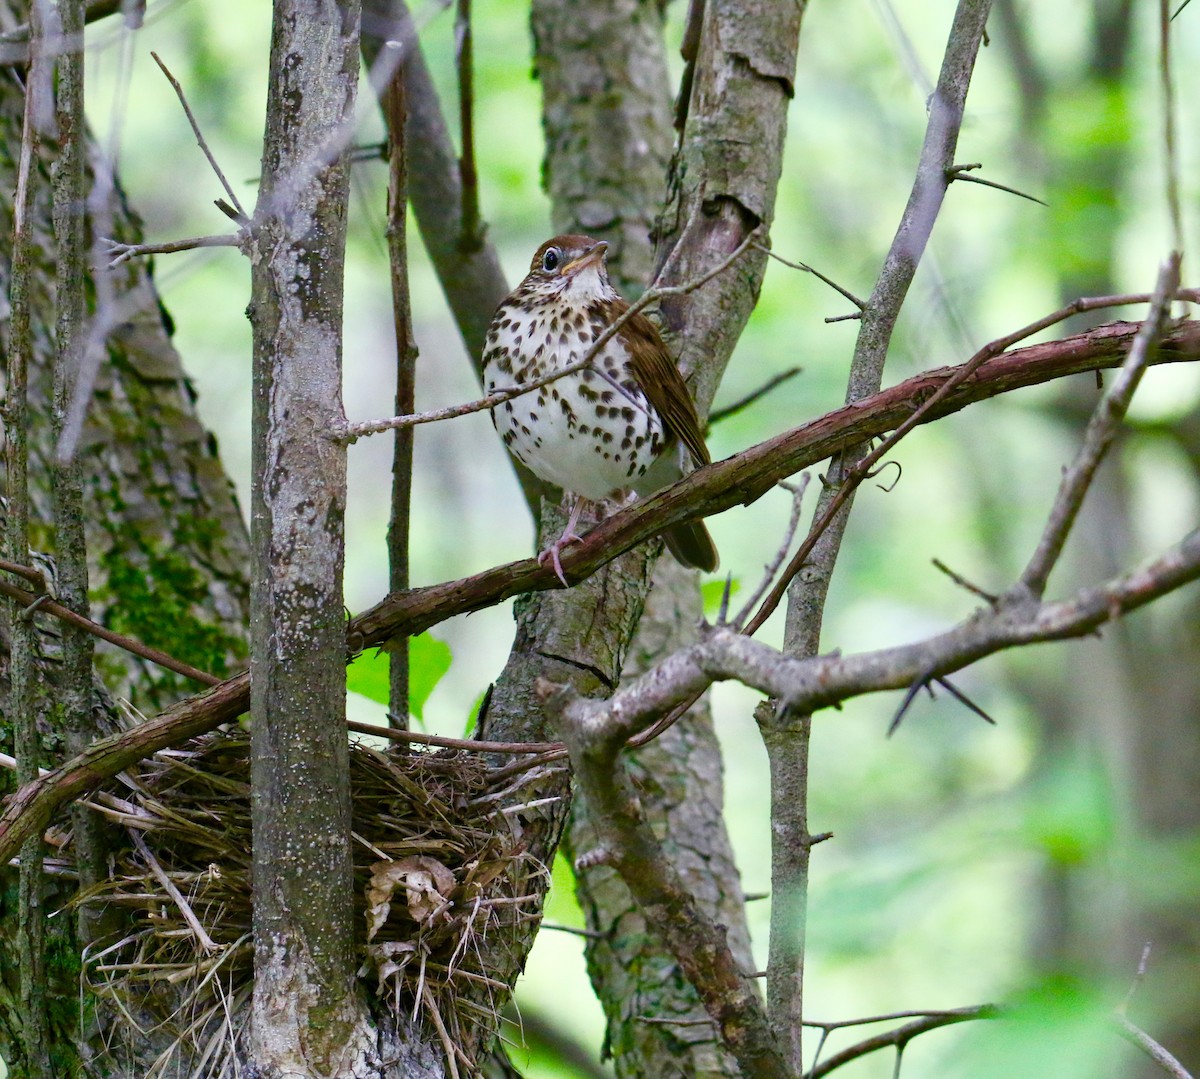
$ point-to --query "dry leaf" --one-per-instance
(427, 887)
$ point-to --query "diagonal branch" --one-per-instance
(1101, 430)
(900, 1036)
(740, 479)
(595, 738)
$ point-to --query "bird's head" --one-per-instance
(570, 268)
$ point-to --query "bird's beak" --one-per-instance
(594, 254)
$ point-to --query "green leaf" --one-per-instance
(712, 591)
(428, 660)
(368, 675)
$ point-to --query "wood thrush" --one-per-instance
(625, 422)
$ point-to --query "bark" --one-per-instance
(168, 545)
(606, 116)
(307, 1012)
(724, 175)
(678, 778)
(165, 533)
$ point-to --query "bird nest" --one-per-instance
(438, 864)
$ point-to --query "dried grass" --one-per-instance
(438, 863)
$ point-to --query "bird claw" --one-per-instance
(551, 555)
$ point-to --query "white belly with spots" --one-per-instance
(590, 433)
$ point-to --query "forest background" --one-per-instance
(1027, 860)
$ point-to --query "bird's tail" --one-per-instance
(691, 545)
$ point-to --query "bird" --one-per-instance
(625, 422)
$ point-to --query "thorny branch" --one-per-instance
(719, 486)
(865, 465)
(898, 1037)
(1101, 430)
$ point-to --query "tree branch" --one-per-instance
(739, 479)
(1101, 430)
(595, 738)
(808, 684)
(901, 1036)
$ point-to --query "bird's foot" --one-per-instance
(552, 554)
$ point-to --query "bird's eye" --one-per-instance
(550, 260)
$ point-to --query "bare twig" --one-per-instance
(1101, 430)
(395, 110)
(962, 582)
(1138, 977)
(206, 943)
(469, 237)
(1138, 1037)
(898, 1037)
(781, 553)
(803, 266)
(719, 414)
(1170, 142)
(51, 606)
(212, 161)
(397, 734)
(354, 431)
(123, 252)
(959, 172)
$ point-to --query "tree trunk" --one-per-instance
(308, 1013)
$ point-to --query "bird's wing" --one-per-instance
(664, 385)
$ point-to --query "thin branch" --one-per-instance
(1136, 1036)
(47, 605)
(719, 414)
(471, 232)
(901, 1036)
(1138, 977)
(962, 582)
(123, 252)
(772, 567)
(803, 266)
(354, 431)
(33, 575)
(1170, 141)
(959, 172)
(395, 110)
(205, 942)
(212, 161)
(397, 734)
(1101, 430)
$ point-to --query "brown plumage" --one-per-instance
(595, 433)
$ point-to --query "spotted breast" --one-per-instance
(594, 432)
